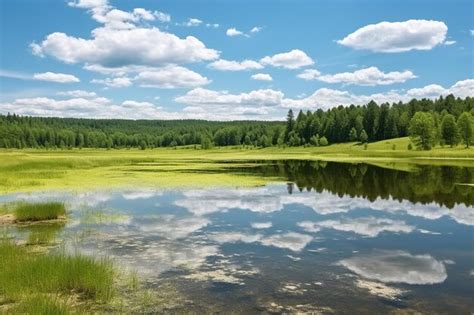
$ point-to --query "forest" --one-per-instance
(443, 121)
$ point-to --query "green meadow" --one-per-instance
(76, 169)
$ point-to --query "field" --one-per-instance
(29, 170)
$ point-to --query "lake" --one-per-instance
(319, 237)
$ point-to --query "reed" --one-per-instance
(26, 211)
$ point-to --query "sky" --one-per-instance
(228, 60)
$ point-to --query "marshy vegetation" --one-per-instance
(26, 211)
(48, 281)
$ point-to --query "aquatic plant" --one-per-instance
(26, 211)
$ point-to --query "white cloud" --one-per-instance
(256, 29)
(97, 107)
(326, 98)
(309, 74)
(463, 88)
(231, 65)
(114, 48)
(212, 25)
(111, 17)
(261, 225)
(290, 60)
(367, 226)
(193, 22)
(262, 77)
(88, 4)
(167, 77)
(78, 94)
(471, 32)
(450, 42)
(397, 267)
(392, 37)
(432, 90)
(369, 76)
(56, 77)
(200, 96)
(118, 82)
(171, 77)
(233, 32)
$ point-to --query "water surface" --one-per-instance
(329, 237)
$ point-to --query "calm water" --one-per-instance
(328, 237)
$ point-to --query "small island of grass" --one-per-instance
(25, 211)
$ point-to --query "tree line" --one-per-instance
(444, 121)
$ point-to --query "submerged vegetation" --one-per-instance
(29, 170)
(26, 211)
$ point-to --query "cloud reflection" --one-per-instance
(397, 267)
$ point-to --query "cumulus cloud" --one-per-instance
(309, 74)
(397, 267)
(114, 48)
(96, 107)
(261, 225)
(119, 82)
(256, 29)
(231, 65)
(233, 32)
(78, 93)
(200, 96)
(326, 98)
(393, 37)
(130, 51)
(291, 60)
(262, 77)
(56, 77)
(171, 77)
(193, 22)
(369, 76)
(88, 4)
(167, 77)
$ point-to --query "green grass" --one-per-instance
(25, 211)
(41, 304)
(29, 170)
(23, 275)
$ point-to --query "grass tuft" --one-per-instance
(39, 211)
(22, 273)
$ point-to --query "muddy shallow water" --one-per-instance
(329, 238)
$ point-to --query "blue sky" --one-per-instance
(226, 60)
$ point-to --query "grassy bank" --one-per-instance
(27, 170)
(34, 282)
